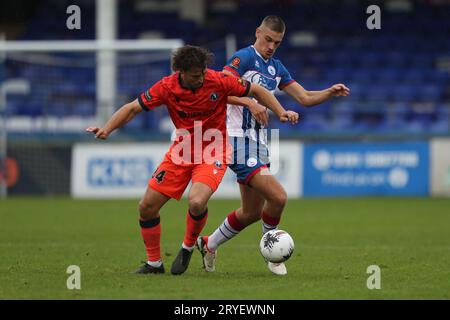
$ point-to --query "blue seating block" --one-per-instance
(388, 72)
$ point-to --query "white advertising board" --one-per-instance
(440, 167)
(122, 170)
(114, 170)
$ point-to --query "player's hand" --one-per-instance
(339, 90)
(100, 133)
(290, 116)
(260, 113)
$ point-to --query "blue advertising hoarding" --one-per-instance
(358, 169)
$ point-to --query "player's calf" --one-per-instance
(248, 217)
(275, 202)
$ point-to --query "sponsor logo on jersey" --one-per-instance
(193, 114)
(263, 80)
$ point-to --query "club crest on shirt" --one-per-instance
(251, 162)
(218, 164)
(214, 96)
(235, 62)
(271, 70)
(147, 95)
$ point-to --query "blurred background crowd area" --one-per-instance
(399, 75)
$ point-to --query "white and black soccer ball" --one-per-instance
(276, 246)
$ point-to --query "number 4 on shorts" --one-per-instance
(160, 176)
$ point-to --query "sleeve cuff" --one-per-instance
(247, 90)
(284, 85)
(142, 104)
(233, 71)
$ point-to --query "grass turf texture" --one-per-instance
(336, 240)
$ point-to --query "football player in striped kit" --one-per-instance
(263, 197)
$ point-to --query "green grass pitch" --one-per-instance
(336, 240)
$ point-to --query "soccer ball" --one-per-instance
(276, 246)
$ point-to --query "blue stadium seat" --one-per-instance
(342, 114)
(429, 92)
(137, 124)
(338, 75)
(357, 91)
(364, 76)
(441, 124)
(405, 93)
(379, 92)
(85, 108)
(371, 60)
(394, 60)
(389, 76)
(413, 76)
(56, 109)
(387, 71)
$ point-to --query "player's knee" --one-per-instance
(147, 210)
(196, 206)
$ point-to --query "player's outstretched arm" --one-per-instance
(117, 120)
(312, 98)
(269, 100)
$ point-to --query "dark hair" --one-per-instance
(188, 57)
(274, 23)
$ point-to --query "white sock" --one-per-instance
(222, 234)
(155, 264)
(187, 248)
(267, 227)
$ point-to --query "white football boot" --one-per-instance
(209, 258)
(277, 268)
